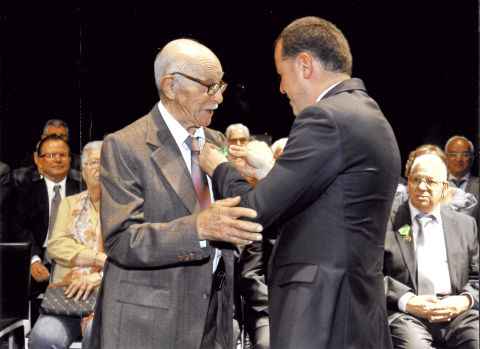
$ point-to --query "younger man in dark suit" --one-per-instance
(340, 168)
(431, 266)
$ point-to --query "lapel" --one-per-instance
(472, 185)
(72, 187)
(40, 197)
(407, 249)
(170, 161)
(452, 244)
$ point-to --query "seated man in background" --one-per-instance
(30, 211)
(460, 153)
(431, 266)
(237, 134)
(28, 172)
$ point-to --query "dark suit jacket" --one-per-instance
(332, 189)
(27, 218)
(400, 266)
(157, 284)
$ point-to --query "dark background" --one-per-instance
(90, 63)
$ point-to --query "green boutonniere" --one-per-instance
(223, 150)
(405, 231)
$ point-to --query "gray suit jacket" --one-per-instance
(157, 283)
(472, 187)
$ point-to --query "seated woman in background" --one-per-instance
(76, 246)
(455, 199)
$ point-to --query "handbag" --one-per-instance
(55, 302)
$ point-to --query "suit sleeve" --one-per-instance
(310, 163)
(128, 238)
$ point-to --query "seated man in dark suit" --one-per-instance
(28, 171)
(431, 266)
(30, 211)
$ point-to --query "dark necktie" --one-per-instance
(425, 284)
(458, 182)
(198, 176)
(53, 215)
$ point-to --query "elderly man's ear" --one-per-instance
(168, 87)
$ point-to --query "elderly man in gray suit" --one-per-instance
(169, 277)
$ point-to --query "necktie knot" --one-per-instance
(458, 182)
(192, 143)
(56, 189)
(423, 219)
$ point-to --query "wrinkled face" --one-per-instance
(290, 83)
(458, 166)
(91, 171)
(423, 197)
(59, 131)
(194, 106)
(238, 137)
(55, 168)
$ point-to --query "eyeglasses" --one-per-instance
(95, 163)
(212, 87)
(51, 156)
(464, 155)
(429, 182)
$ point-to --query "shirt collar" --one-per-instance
(326, 91)
(178, 132)
(51, 184)
(466, 177)
(436, 213)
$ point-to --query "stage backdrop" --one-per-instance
(90, 63)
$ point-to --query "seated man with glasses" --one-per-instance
(31, 210)
(460, 153)
(431, 266)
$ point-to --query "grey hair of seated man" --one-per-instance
(431, 159)
(88, 148)
(55, 123)
(234, 127)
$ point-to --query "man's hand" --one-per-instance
(219, 222)
(425, 307)
(39, 272)
(83, 285)
(210, 158)
(454, 304)
(249, 163)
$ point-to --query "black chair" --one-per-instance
(14, 288)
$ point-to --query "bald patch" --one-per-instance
(192, 56)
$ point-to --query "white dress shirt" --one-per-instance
(326, 91)
(179, 133)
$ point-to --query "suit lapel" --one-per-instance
(472, 185)
(452, 244)
(41, 197)
(170, 161)
(407, 249)
(72, 187)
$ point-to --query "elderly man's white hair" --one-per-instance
(471, 149)
(279, 143)
(234, 127)
(431, 159)
(168, 60)
(88, 148)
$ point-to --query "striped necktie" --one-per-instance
(198, 176)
